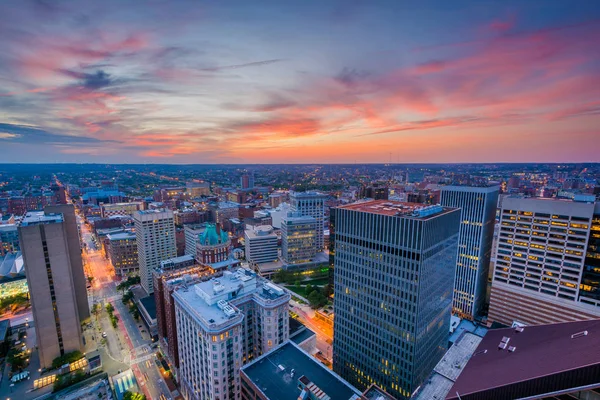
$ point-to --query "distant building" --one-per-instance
(177, 263)
(556, 361)
(191, 233)
(275, 199)
(224, 210)
(478, 215)
(123, 253)
(97, 196)
(394, 276)
(261, 245)
(9, 239)
(311, 204)
(298, 238)
(189, 216)
(109, 210)
(247, 181)
(52, 287)
(196, 189)
(542, 273)
(213, 245)
(222, 324)
(155, 231)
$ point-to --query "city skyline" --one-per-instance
(317, 82)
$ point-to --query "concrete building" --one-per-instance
(110, 210)
(311, 204)
(177, 263)
(289, 373)
(478, 215)
(393, 281)
(191, 233)
(541, 275)
(298, 238)
(261, 245)
(52, 285)
(222, 324)
(224, 210)
(278, 213)
(74, 242)
(123, 253)
(213, 245)
(247, 181)
(155, 232)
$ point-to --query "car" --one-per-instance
(103, 334)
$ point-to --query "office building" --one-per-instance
(123, 253)
(311, 204)
(125, 209)
(155, 232)
(261, 244)
(213, 245)
(197, 189)
(540, 276)
(247, 181)
(289, 373)
(298, 238)
(191, 233)
(52, 286)
(394, 276)
(9, 239)
(478, 215)
(176, 263)
(223, 211)
(74, 242)
(331, 244)
(556, 361)
(222, 324)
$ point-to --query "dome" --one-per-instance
(212, 236)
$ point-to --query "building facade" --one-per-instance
(478, 215)
(191, 233)
(52, 286)
(213, 245)
(123, 253)
(394, 278)
(9, 239)
(545, 267)
(110, 210)
(222, 324)
(155, 236)
(311, 204)
(298, 238)
(261, 245)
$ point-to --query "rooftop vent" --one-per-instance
(579, 334)
(505, 339)
(519, 329)
(502, 346)
(512, 349)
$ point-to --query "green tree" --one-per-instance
(316, 299)
(110, 308)
(127, 395)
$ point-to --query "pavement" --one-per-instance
(306, 315)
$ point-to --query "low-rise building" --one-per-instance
(261, 245)
(123, 253)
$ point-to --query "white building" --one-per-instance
(222, 324)
(261, 244)
(311, 204)
(542, 274)
(298, 238)
(278, 213)
(192, 232)
(155, 232)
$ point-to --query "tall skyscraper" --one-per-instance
(542, 274)
(298, 238)
(311, 204)
(477, 218)
(247, 180)
(222, 324)
(155, 232)
(72, 229)
(45, 244)
(394, 275)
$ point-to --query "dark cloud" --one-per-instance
(92, 81)
(351, 76)
(16, 133)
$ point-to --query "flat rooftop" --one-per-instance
(121, 236)
(277, 384)
(39, 217)
(397, 208)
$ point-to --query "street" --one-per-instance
(126, 346)
(324, 334)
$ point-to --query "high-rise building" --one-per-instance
(79, 280)
(247, 181)
(541, 274)
(394, 276)
(261, 244)
(52, 285)
(222, 324)
(298, 238)
(123, 253)
(331, 244)
(311, 204)
(191, 233)
(477, 218)
(155, 232)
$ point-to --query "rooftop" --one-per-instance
(39, 217)
(449, 368)
(121, 236)
(260, 231)
(11, 266)
(397, 208)
(510, 355)
(277, 372)
(177, 260)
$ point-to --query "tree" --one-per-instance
(328, 290)
(90, 279)
(128, 296)
(316, 299)
(127, 395)
(110, 308)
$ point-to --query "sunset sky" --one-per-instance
(290, 81)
